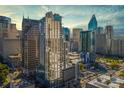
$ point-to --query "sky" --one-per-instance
(73, 15)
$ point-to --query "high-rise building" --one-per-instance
(100, 46)
(76, 39)
(51, 47)
(85, 41)
(117, 47)
(66, 33)
(109, 33)
(121, 53)
(66, 36)
(30, 45)
(67, 44)
(92, 25)
(87, 44)
(4, 27)
(9, 37)
(110, 45)
(100, 36)
(99, 30)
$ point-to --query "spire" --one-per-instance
(93, 15)
(23, 16)
(92, 23)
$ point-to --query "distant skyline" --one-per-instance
(73, 15)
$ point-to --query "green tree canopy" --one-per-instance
(4, 70)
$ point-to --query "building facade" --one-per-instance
(52, 47)
(92, 23)
(87, 44)
(117, 47)
(9, 37)
(107, 44)
(109, 34)
(30, 45)
(66, 33)
(76, 39)
(85, 41)
(101, 44)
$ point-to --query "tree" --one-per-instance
(81, 66)
(114, 65)
(122, 73)
(4, 70)
(108, 82)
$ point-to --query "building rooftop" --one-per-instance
(5, 19)
(105, 81)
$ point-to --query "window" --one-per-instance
(5, 34)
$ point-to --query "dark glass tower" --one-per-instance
(92, 23)
(85, 41)
(66, 33)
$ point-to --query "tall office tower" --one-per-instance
(100, 44)
(109, 33)
(30, 45)
(100, 37)
(4, 28)
(85, 41)
(76, 39)
(117, 47)
(66, 33)
(92, 25)
(99, 30)
(71, 44)
(66, 36)
(9, 37)
(121, 54)
(87, 45)
(52, 47)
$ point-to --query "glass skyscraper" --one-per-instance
(66, 33)
(87, 44)
(92, 23)
(85, 41)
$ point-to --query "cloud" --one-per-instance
(73, 15)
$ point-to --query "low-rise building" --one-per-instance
(105, 81)
(73, 57)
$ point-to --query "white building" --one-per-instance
(105, 81)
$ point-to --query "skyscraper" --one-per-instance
(117, 47)
(4, 27)
(87, 45)
(66, 33)
(92, 23)
(51, 39)
(30, 45)
(100, 47)
(9, 37)
(76, 39)
(99, 30)
(67, 44)
(100, 36)
(85, 41)
(109, 34)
